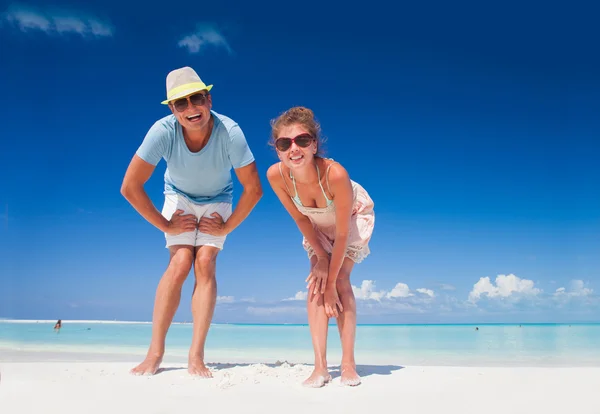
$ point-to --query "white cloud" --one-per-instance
(427, 292)
(506, 285)
(27, 20)
(56, 22)
(100, 29)
(577, 288)
(368, 291)
(225, 299)
(502, 298)
(300, 295)
(371, 301)
(232, 299)
(206, 35)
(70, 24)
(401, 290)
(445, 286)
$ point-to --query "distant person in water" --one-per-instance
(200, 148)
(336, 218)
(58, 325)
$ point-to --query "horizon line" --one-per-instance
(103, 321)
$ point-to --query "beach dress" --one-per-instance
(362, 220)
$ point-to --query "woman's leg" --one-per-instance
(347, 324)
(318, 322)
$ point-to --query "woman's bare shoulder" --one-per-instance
(336, 171)
(273, 173)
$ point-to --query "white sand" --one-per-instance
(108, 388)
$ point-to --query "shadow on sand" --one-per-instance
(363, 370)
(161, 370)
(366, 370)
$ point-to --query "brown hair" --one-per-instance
(298, 115)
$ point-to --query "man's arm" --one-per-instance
(252, 193)
(132, 188)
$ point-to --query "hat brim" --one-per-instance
(186, 92)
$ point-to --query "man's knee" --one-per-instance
(180, 264)
(205, 264)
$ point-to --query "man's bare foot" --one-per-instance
(148, 367)
(349, 375)
(317, 379)
(197, 368)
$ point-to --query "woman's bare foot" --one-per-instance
(197, 368)
(149, 366)
(349, 375)
(317, 379)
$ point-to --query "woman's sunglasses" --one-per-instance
(302, 140)
(181, 105)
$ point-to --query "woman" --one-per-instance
(335, 216)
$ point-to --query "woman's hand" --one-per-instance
(332, 301)
(317, 279)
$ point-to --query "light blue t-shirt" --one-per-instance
(205, 176)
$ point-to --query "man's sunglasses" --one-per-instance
(197, 99)
(302, 140)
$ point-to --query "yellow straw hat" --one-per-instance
(183, 82)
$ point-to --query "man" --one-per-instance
(200, 147)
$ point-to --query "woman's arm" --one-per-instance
(303, 223)
(343, 198)
(317, 279)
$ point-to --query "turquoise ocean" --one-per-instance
(448, 345)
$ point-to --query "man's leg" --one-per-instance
(168, 295)
(203, 305)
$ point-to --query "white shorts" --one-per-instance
(174, 202)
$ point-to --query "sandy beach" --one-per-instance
(106, 387)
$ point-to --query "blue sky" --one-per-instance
(474, 128)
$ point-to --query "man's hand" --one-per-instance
(332, 301)
(181, 224)
(213, 226)
(317, 279)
